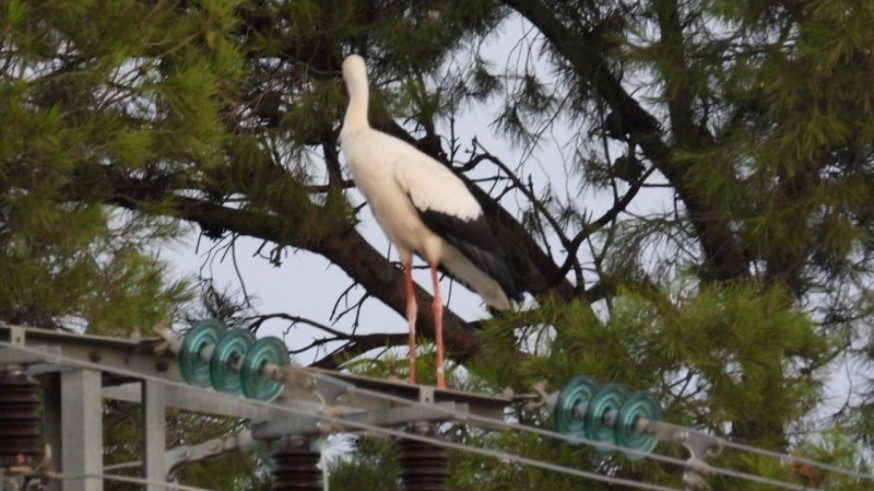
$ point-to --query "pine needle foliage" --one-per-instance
(371, 464)
(703, 231)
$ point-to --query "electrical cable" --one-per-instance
(605, 445)
(504, 424)
(455, 446)
(122, 465)
(504, 456)
(126, 479)
(586, 441)
(721, 442)
(491, 422)
(797, 459)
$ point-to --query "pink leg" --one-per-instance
(411, 316)
(437, 306)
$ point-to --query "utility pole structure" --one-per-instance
(76, 373)
(290, 407)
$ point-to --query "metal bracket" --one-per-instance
(426, 394)
(188, 454)
(12, 356)
(329, 390)
(17, 335)
(701, 446)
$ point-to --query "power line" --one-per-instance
(362, 426)
(126, 479)
(594, 443)
(490, 422)
(798, 459)
(655, 428)
(445, 444)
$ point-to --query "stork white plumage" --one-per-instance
(423, 208)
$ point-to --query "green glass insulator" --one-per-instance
(637, 406)
(567, 416)
(601, 413)
(227, 360)
(193, 366)
(255, 384)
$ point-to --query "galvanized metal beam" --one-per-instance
(485, 405)
(186, 454)
(195, 400)
(150, 357)
(51, 384)
(133, 370)
(81, 430)
(303, 425)
(12, 356)
(154, 433)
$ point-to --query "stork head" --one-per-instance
(354, 71)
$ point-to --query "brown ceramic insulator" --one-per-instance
(19, 419)
(296, 467)
(423, 465)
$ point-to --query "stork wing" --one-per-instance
(431, 186)
(449, 209)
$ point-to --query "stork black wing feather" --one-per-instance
(475, 240)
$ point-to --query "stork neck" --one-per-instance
(356, 113)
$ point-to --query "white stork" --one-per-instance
(423, 208)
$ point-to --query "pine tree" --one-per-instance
(709, 240)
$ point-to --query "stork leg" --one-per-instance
(437, 306)
(411, 316)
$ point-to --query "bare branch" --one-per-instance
(360, 344)
(581, 50)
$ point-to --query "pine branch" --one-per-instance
(618, 207)
(343, 246)
(353, 343)
(722, 252)
(359, 344)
